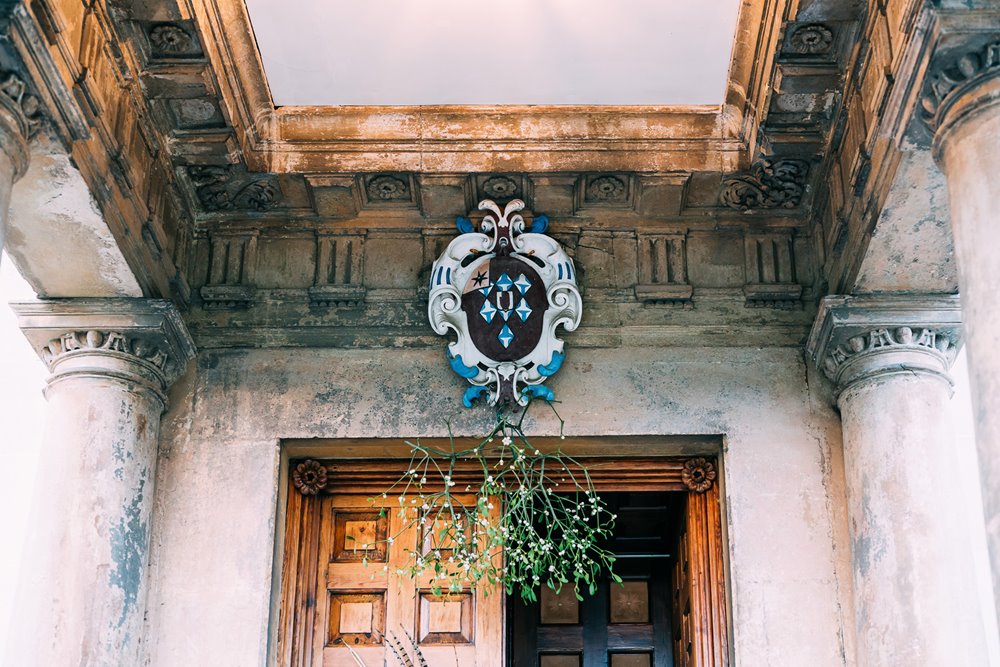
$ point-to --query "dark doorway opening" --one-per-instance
(633, 624)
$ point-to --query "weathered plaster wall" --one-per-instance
(217, 488)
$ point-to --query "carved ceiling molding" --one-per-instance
(856, 339)
(769, 184)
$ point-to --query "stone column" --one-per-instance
(20, 117)
(914, 580)
(961, 103)
(81, 600)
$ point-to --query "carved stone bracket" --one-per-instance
(860, 338)
(137, 340)
(768, 184)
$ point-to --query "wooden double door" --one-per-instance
(347, 599)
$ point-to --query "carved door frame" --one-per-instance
(653, 464)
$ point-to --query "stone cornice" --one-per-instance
(142, 340)
(858, 338)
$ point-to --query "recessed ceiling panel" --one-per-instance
(403, 52)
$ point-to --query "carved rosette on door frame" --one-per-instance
(504, 290)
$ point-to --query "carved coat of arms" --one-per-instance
(504, 290)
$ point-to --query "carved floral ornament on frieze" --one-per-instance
(503, 291)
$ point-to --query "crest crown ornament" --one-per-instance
(504, 290)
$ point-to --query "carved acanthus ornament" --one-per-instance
(768, 184)
(698, 475)
(946, 84)
(222, 189)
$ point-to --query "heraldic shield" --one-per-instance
(504, 290)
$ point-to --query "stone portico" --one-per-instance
(779, 282)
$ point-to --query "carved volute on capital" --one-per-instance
(20, 119)
(138, 341)
(855, 339)
(958, 84)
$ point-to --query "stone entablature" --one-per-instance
(860, 338)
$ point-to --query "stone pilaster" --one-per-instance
(82, 597)
(961, 104)
(20, 117)
(914, 582)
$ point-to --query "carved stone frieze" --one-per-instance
(231, 271)
(663, 269)
(339, 277)
(698, 475)
(862, 338)
(809, 39)
(946, 82)
(770, 271)
(769, 184)
(226, 188)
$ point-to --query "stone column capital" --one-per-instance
(962, 75)
(20, 119)
(142, 341)
(858, 338)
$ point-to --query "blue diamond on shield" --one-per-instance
(487, 311)
(506, 337)
(523, 310)
(523, 284)
(504, 283)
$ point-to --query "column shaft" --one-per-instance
(915, 585)
(915, 595)
(970, 157)
(82, 597)
(88, 548)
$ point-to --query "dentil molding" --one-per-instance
(858, 338)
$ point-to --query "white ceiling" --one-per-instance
(350, 52)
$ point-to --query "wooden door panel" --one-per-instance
(323, 558)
